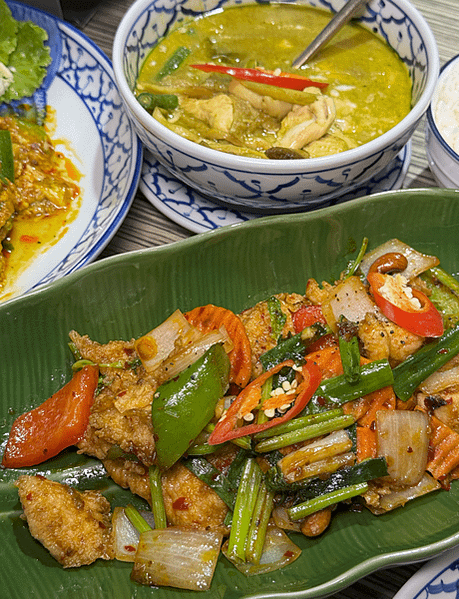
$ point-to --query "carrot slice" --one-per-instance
(444, 449)
(382, 399)
(57, 423)
(366, 443)
(210, 317)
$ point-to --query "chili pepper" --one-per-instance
(425, 321)
(287, 80)
(229, 426)
(59, 422)
(307, 316)
(173, 62)
(183, 406)
(151, 101)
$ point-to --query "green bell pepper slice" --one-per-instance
(183, 406)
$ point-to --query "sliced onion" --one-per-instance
(125, 535)
(177, 557)
(351, 300)
(278, 551)
(281, 519)
(417, 262)
(399, 498)
(176, 363)
(158, 344)
(403, 439)
(440, 380)
(319, 454)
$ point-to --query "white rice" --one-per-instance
(446, 106)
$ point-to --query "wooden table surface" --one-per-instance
(145, 226)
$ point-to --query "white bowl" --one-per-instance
(274, 185)
(442, 125)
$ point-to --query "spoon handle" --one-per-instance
(341, 18)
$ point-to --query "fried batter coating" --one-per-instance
(257, 323)
(188, 500)
(120, 415)
(74, 527)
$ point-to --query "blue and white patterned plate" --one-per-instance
(89, 124)
(186, 207)
(437, 579)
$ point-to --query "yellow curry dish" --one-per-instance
(243, 432)
(225, 81)
(38, 192)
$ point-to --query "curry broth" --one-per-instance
(369, 84)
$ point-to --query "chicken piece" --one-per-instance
(257, 323)
(217, 112)
(130, 474)
(275, 108)
(120, 414)
(74, 527)
(384, 339)
(304, 124)
(191, 502)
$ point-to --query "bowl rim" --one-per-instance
(429, 115)
(235, 162)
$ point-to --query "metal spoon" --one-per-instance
(341, 18)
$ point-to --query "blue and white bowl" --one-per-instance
(269, 186)
(442, 127)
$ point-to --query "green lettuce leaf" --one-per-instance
(28, 62)
(8, 31)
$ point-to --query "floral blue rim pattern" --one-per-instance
(267, 186)
(87, 73)
(197, 213)
(437, 579)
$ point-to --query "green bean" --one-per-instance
(151, 101)
(173, 63)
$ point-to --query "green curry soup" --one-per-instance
(368, 91)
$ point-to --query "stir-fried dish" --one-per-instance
(242, 431)
(225, 81)
(38, 185)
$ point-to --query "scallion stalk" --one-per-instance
(350, 357)
(310, 506)
(337, 390)
(303, 434)
(135, 518)
(259, 524)
(411, 372)
(243, 509)
(157, 500)
(297, 423)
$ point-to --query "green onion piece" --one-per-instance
(152, 101)
(173, 63)
(354, 264)
(6, 157)
(319, 503)
(137, 521)
(308, 488)
(410, 373)
(243, 509)
(350, 358)
(292, 348)
(308, 432)
(278, 318)
(297, 423)
(336, 391)
(259, 525)
(157, 500)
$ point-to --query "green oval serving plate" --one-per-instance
(127, 295)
